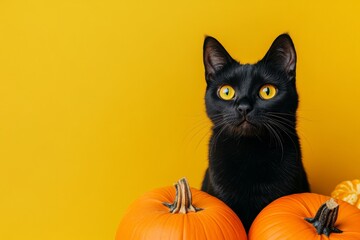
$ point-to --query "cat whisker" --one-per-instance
(198, 132)
(282, 113)
(276, 135)
(284, 129)
(208, 133)
(297, 115)
(199, 126)
(223, 124)
(288, 124)
(215, 139)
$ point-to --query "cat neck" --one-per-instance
(228, 145)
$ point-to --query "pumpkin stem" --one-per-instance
(183, 198)
(325, 218)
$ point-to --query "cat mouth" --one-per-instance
(245, 123)
(246, 128)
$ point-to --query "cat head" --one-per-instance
(251, 99)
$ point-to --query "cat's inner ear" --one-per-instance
(282, 55)
(215, 57)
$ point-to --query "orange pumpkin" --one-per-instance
(192, 215)
(348, 191)
(305, 216)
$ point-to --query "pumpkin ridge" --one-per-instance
(149, 219)
(229, 222)
(278, 222)
(348, 191)
(201, 224)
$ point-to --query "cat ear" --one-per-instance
(282, 55)
(215, 57)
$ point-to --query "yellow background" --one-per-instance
(101, 101)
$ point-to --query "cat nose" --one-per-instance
(244, 107)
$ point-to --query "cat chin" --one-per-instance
(245, 129)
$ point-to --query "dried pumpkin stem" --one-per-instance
(183, 199)
(325, 218)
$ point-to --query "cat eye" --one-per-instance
(226, 92)
(267, 91)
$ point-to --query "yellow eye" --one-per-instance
(267, 92)
(226, 92)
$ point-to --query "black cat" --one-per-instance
(254, 150)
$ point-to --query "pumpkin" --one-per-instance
(306, 216)
(348, 191)
(179, 213)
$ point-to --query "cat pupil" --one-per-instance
(226, 91)
(267, 91)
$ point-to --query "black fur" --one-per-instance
(254, 150)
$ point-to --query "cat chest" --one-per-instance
(256, 168)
